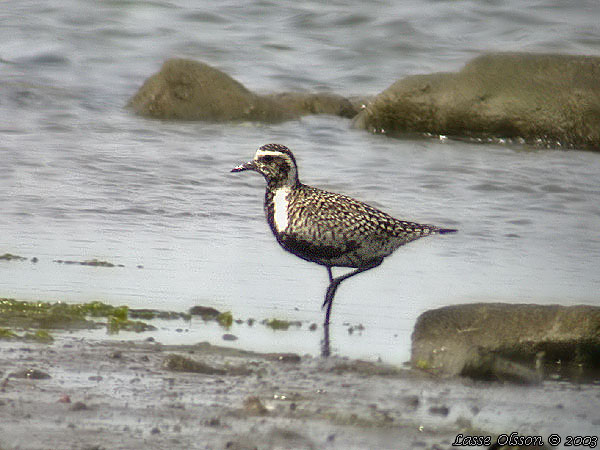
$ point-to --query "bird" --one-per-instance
(330, 229)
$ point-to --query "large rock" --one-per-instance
(507, 341)
(547, 100)
(191, 90)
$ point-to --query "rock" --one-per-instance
(31, 374)
(229, 337)
(506, 341)
(190, 90)
(439, 411)
(367, 368)
(411, 402)
(206, 312)
(178, 363)
(79, 406)
(253, 406)
(284, 357)
(321, 103)
(543, 99)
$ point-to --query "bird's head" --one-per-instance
(276, 163)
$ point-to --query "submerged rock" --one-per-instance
(542, 99)
(206, 312)
(507, 341)
(321, 103)
(190, 90)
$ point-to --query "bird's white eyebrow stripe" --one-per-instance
(260, 153)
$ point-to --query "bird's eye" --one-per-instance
(267, 158)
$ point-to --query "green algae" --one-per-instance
(116, 324)
(89, 262)
(149, 314)
(10, 257)
(6, 333)
(225, 319)
(280, 324)
(43, 315)
(277, 324)
(59, 315)
(41, 336)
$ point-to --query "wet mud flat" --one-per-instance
(78, 393)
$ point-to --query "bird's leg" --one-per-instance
(329, 273)
(331, 289)
(325, 348)
(335, 282)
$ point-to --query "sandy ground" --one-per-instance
(78, 393)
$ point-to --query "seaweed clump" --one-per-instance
(58, 315)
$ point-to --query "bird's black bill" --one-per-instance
(246, 166)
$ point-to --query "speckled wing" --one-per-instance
(334, 229)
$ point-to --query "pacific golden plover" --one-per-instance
(327, 228)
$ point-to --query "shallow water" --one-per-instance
(83, 178)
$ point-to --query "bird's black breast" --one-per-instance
(316, 252)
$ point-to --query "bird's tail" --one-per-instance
(445, 230)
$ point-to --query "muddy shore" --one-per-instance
(80, 393)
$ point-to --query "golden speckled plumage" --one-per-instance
(337, 230)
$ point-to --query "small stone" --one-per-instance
(439, 410)
(32, 374)
(214, 422)
(412, 401)
(253, 405)
(230, 337)
(79, 406)
(284, 357)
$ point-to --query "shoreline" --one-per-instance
(86, 393)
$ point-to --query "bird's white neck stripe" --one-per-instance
(280, 208)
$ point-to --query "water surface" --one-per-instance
(82, 178)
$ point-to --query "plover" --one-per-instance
(330, 229)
